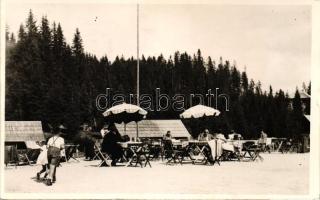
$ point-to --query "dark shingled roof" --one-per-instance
(19, 131)
(155, 128)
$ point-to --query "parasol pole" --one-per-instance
(137, 125)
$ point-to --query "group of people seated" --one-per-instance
(112, 137)
(217, 142)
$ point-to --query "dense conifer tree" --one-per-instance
(55, 82)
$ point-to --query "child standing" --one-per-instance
(43, 160)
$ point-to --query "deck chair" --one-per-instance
(104, 157)
(171, 154)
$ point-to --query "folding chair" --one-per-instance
(104, 157)
(70, 150)
(172, 154)
(252, 150)
(154, 150)
(140, 153)
(96, 151)
(229, 154)
(147, 154)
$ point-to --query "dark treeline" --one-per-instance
(55, 82)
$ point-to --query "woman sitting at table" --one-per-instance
(110, 144)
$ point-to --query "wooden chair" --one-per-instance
(141, 153)
(231, 155)
(70, 150)
(104, 157)
(252, 150)
(171, 154)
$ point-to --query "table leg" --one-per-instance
(131, 159)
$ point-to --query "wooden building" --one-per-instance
(20, 141)
(305, 102)
(17, 132)
(155, 129)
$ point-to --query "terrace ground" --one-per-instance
(278, 174)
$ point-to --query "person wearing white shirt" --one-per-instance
(55, 144)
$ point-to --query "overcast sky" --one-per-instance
(273, 42)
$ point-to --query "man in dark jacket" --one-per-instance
(110, 144)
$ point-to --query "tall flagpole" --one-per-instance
(138, 67)
(138, 55)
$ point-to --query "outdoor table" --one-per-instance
(177, 144)
(138, 150)
(70, 150)
(156, 143)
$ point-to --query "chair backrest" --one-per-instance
(248, 145)
(97, 148)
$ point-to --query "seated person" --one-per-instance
(110, 144)
(205, 136)
(263, 140)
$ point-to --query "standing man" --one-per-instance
(55, 145)
(167, 136)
